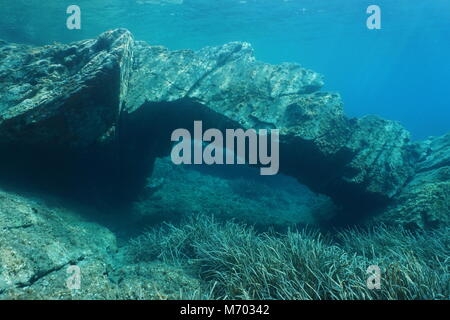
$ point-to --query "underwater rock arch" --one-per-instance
(96, 113)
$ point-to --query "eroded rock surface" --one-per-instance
(94, 115)
(59, 110)
(66, 95)
(38, 241)
(425, 201)
(360, 163)
(176, 192)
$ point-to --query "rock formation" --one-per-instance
(92, 116)
(39, 242)
(424, 203)
(40, 239)
(59, 110)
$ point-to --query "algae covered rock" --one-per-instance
(38, 241)
(42, 238)
(359, 163)
(176, 192)
(66, 95)
(91, 117)
(59, 109)
(424, 203)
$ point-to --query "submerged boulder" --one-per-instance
(38, 241)
(424, 203)
(59, 109)
(65, 96)
(95, 114)
(45, 244)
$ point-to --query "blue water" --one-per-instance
(401, 72)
